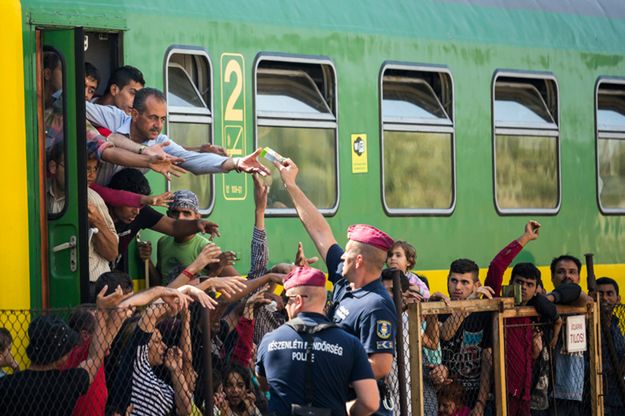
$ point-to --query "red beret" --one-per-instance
(304, 276)
(367, 234)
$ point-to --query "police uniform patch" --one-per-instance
(384, 345)
(383, 329)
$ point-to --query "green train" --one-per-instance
(447, 123)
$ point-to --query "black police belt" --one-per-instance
(308, 331)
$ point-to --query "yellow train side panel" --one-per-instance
(14, 254)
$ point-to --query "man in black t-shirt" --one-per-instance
(466, 338)
(130, 220)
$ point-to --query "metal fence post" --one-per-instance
(595, 359)
(399, 343)
(208, 363)
(499, 360)
(416, 359)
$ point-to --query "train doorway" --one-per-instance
(64, 226)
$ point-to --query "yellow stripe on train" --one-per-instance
(14, 254)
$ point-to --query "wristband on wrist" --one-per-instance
(141, 149)
(237, 163)
(188, 274)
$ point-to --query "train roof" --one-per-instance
(587, 25)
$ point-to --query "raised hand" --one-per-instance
(436, 296)
(288, 171)
(300, 257)
(208, 227)
(439, 375)
(484, 291)
(175, 299)
(531, 229)
(111, 301)
(228, 286)
(226, 258)
(198, 295)
(162, 200)
(145, 250)
(530, 232)
(257, 298)
(210, 254)
(412, 295)
(173, 359)
(275, 278)
(221, 403)
(166, 167)
(157, 152)
(93, 214)
(250, 164)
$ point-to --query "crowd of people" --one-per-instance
(280, 342)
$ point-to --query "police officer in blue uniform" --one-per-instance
(337, 359)
(361, 305)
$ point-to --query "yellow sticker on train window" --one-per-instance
(359, 153)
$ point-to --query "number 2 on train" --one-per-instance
(233, 67)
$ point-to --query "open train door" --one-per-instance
(63, 187)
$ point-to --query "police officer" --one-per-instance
(361, 305)
(337, 358)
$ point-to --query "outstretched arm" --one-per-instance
(183, 228)
(316, 226)
(502, 260)
(108, 321)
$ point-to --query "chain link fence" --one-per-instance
(490, 357)
(482, 355)
(613, 355)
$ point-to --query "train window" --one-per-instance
(417, 120)
(190, 121)
(289, 93)
(610, 116)
(526, 144)
(295, 104)
(54, 110)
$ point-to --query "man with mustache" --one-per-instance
(144, 125)
(569, 367)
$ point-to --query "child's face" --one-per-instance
(234, 388)
(397, 259)
(446, 407)
(6, 357)
(90, 86)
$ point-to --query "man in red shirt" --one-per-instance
(522, 345)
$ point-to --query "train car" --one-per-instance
(447, 123)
